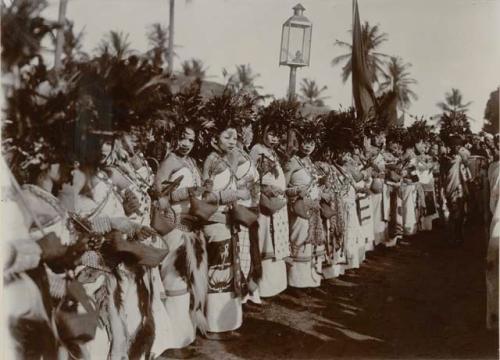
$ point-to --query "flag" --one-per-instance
(364, 97)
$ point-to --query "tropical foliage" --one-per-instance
(243, 81)
(491, 113)
(372, 39)
(310, 93)
(454, 124)
(453, 103)
(397, 78)
(116, 44)
(157, 36)
(419, 130)
(194, 68)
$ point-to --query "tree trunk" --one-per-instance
(60, 34)
(170, 54)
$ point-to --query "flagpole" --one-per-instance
(352, 48)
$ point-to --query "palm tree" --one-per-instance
(243, 79)
(372, 39)
(115, 43)
(194, 68)
(397, 79)
(73, 42)
(311, 93)
(453, 102)
(158, 39)
(171, 27)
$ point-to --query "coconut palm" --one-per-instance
(453, 102)
(311, 93)
(243, 81)
(372, 40)
(397, 79)
(73, 42)
(116, 44)
(194, 68)
(171, 28)
(158, 39)
(243, 78)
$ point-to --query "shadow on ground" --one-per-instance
(422, 299)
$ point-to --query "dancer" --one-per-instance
(273, 218)
(307, 236)
(184, 270)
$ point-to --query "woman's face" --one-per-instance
(271, 140)
(435, 149)
(227, 140)
(186, 142)
(379, 140)
(345, 157)
(307, 147)
(394, 148)
(106, 148)
(247, 135)
(129, 143)
(420, 146)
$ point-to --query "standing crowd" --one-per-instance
(110, 254)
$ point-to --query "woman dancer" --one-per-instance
(307, 236)
(124, 293)
(273, 222)
(224, 308)
(248, 176)
(184, 270)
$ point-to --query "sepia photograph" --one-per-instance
(249, 179)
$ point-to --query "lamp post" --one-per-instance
(295, 45)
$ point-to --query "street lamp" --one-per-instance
(295, 45)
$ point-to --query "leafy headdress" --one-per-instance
(342, 131)
(228, 110)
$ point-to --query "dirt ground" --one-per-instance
(422, 299)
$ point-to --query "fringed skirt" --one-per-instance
(307, 251)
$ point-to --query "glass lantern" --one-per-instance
(296, 39)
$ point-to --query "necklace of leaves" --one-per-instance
(231, 171)
(189, 163)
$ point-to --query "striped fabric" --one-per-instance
(363, 207)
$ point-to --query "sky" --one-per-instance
(450, 43)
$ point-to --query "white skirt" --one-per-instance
(177, 308)
(274, 279)
(224, 312)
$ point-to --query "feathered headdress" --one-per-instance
(418, 131)
(396, 134)
(228, 110)
(278, 116)
(341, 130)
(182, 109)
(310, 129)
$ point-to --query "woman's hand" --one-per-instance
(144, 232)
(131, 203)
